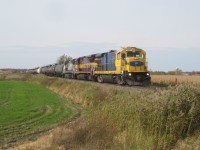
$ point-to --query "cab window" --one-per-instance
(136, 54)
(129, 54)
(123, 56)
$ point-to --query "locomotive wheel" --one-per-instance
(130, 82)
(120, 80)
(94, 79)
(90, 77)
(68, 76)
(74, 76)
(100, 79)
(86, 78)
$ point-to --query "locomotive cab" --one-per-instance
(132, 64)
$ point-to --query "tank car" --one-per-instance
(34, 71)
(59, 68)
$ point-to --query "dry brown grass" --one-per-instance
(2, 76)
(175, 79)
(42, 143)
(60, 138)
(190, 143)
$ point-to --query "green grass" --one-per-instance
(27, 108)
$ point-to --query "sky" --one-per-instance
(36, 32)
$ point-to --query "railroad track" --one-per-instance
(114, 85)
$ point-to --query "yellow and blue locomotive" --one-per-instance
(127, 66)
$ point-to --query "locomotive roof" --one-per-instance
(131, 49)
(95, 55)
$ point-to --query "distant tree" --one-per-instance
(175, 72)
(158, 73)
(64, 59)
(178, 71)
(193, 73)
(171, 72)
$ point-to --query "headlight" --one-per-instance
(148, 74)
(129, 74)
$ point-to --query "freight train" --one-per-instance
(126, 66)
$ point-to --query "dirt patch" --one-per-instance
(48, 109)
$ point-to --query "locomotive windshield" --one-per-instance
(133, 54)
(136, 54)
(129, 54)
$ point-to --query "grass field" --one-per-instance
(28, 108)
(165, 115)
(166, 80)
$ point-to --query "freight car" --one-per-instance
(59, 70)
(34, 71)
(48, 70)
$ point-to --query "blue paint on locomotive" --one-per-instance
(108, 61)
(136, 63)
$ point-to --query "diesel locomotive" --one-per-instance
(126, 66)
